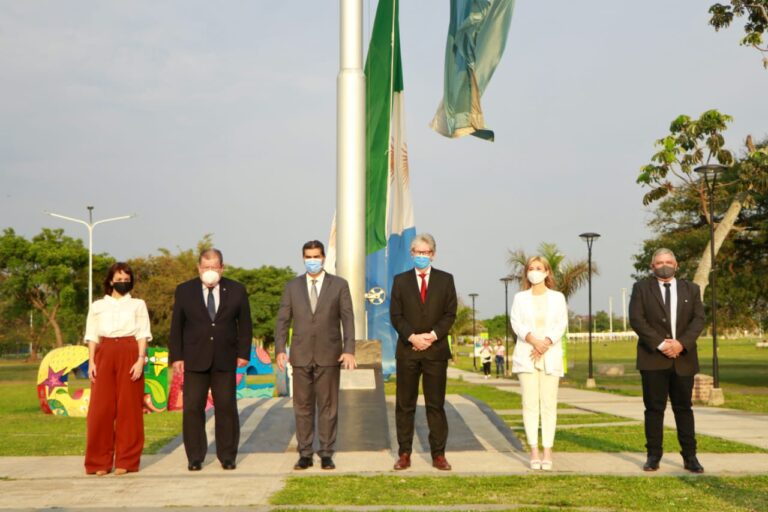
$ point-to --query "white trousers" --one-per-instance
(539, 400)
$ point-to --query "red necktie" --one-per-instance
(423, 277)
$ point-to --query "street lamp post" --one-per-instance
(90, 225)
(709, 174)
(474, 359)
(506, 280)
(590, 238)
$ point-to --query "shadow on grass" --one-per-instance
(736, 492)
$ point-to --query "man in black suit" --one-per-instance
(210, 337)
(320, 307)
(422, 311)
(667, 314)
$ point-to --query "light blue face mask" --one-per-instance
(313, 265)
(421, 262)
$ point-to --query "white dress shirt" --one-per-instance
(216, 295)
(114, 318)
(318, 282)
(672, 308)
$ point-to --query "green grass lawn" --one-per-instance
(658, 494)
(743, 369)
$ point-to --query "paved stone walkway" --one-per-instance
(480, 444)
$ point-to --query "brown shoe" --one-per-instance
(404, 462)
(441, 463)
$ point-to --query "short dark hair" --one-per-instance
(314, 244)
(114, 269)
(208, 254)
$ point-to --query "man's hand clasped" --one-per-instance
(422, 341)
(672, 348)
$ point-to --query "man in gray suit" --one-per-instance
(323, 339)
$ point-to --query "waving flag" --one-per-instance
(477, 35)
(389, 218)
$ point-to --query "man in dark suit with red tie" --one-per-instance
(210, 337)
(667, 314)
(422, 311)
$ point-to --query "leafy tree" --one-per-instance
(50, 274)
(694, 142)
(742, 270)
(265, 287)
(755, 13)
(569, 276)
(496, 327)
(463, 323)
(157, 277)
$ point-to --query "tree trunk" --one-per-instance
(50, 317)
(722, 230)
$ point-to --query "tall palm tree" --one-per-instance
(569, 276)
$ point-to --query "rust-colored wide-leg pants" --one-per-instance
(115, 414)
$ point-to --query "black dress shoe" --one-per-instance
(303, 463)
(652, 463)
(692, 464)
(327, 463)
(195, 466)
(228, 465)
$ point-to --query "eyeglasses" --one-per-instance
(422, 253)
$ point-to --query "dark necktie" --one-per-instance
(423, 277)
(211, 304)
(668, 304)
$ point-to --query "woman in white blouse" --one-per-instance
(539, 317)
(117, 332)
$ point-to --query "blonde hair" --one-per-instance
(549, 281)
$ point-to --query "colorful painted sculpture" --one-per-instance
(156, 380)
(53, 381)
(259, 364)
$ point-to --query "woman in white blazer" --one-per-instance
(539, 317)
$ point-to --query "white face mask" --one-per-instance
(210, 278)
(536, 276)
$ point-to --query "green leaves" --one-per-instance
(755, 13)
(690, 143)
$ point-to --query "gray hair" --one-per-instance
(425, 238)
(209, 254)
(660, 251)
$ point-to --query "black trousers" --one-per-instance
(657, 386)
(223, 388)
(316, 388)
(409, 372)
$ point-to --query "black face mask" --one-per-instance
(664, 272)
(122, 288)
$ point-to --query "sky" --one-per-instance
(220, 117)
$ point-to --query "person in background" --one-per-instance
(117, 331)
(501, 353)
(486, 356)
(539, 317)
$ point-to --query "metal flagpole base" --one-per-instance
(716, 397)
(591, 384)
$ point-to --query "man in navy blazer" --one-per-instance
(422, 310)
(211, 333)
(667, 314)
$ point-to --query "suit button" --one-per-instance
(211, 338)
(213, 325)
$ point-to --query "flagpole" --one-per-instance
(350, 159)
